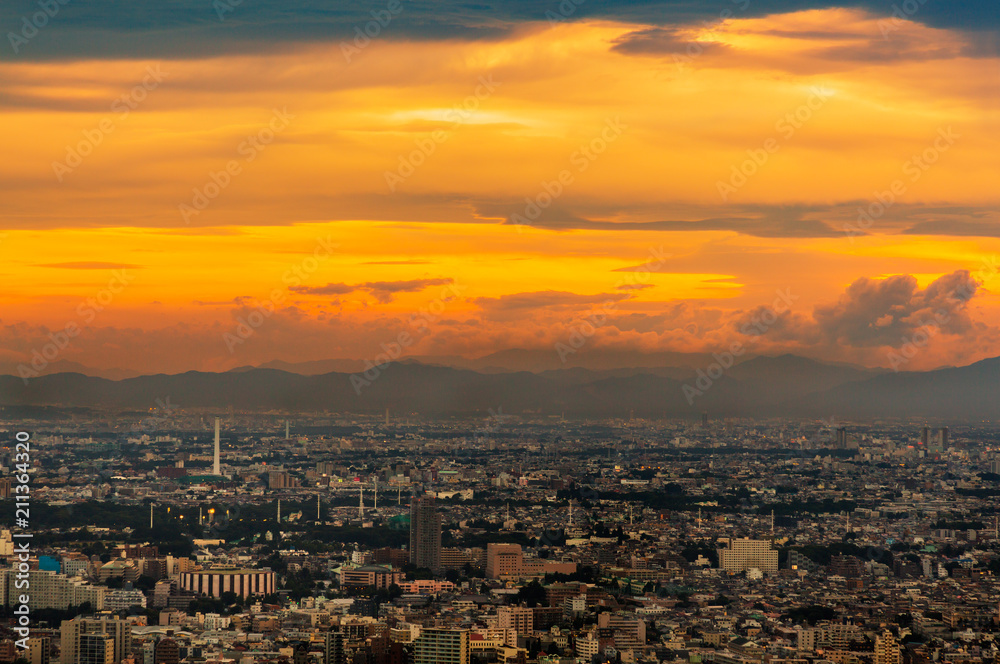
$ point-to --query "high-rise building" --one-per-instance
(943, 439)
(503, 560)
(50, 590)
(425, 534)
(629, 630)
(216, 468)
(166, 652)
(518, 618)
(95, 649)
(925, 437)
(743, 554)
(95, 640)
(333, 648)
(442, 646)
(887, 649)
(39, 649)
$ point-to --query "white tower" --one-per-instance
(286, 430)
(216, 470)
(361, 502)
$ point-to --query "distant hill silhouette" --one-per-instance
(763, 386)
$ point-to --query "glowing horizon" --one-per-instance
(530, 175)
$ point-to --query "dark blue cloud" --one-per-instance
(196, 28)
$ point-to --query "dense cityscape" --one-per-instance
(500, 332)
(185, 536)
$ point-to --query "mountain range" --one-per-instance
(763, 386)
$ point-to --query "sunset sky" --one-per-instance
(171, 168)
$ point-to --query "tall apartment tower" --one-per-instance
(333, 647)
(95, 640)
(925, 437)
(442, 646)
(425, 534)
(216, 469)
(887, 649)
(521, 619)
